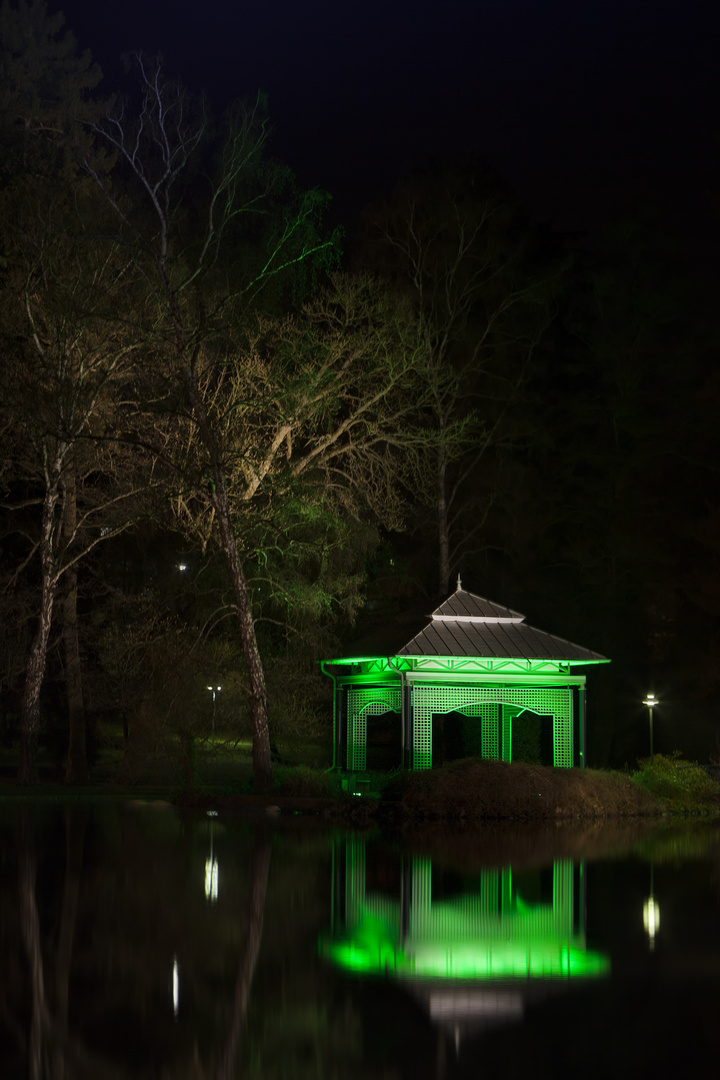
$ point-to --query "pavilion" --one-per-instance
(476, 669)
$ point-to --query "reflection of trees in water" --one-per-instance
(249, 956)
(53, 1051)
(98, 909)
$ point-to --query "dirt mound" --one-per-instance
(476, 788)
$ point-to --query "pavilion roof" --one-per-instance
(470, 625)
(466, 625)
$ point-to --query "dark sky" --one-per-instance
(582, 105)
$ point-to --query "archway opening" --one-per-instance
(384, 742)
(455, 736)
(532, 738)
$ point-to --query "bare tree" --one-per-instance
(207, 246)
(450, 245)
(65, 363)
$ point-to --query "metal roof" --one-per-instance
(465, 605)
(469, 625)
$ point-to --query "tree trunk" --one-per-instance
(443, 524)
(37, 660)
(77, 770)
(262, 756)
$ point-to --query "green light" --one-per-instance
(370, 949)
(487, 934)
(464, 664)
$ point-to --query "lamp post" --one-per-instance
(651, 701)
(214, 690)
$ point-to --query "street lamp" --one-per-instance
(213, 690)
(651, 701)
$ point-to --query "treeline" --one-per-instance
(194, 375)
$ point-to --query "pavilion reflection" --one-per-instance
(474, 954)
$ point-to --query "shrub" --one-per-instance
(685, 785)
(301, 781)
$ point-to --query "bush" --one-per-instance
(303, 782)
(684, 785)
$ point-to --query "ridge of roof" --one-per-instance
(467, 606)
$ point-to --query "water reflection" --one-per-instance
(472, 950)
(104, 944)
(124, 956)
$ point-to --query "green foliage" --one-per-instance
(160, 672)
(44, 86)
(301, 781)
(526, 738)
(300, 699)
(684, 785)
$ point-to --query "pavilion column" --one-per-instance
(341, 720)
(506, 732)
(582, 706)
(408, 724)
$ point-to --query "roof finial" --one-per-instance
(459, 584)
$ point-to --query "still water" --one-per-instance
(139, 942)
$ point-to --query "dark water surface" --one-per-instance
(138, 942)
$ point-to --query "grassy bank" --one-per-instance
(471, 789)
(477, 790)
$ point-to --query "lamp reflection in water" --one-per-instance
(651, 913)
(474, 959)
(212, 870)
(176, 987)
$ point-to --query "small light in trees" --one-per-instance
(182, 566)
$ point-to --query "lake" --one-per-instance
(141, 942)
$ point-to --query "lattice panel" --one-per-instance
(489, 723)
(563, 737)
(422, 741)
(361, 703)
(469, 700)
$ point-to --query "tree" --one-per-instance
(65, 361)
(44, 86)
(224, 416)
(317, 415)
(451, 244)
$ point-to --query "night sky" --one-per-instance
(584, 108)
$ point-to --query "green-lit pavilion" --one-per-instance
(476, 660)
